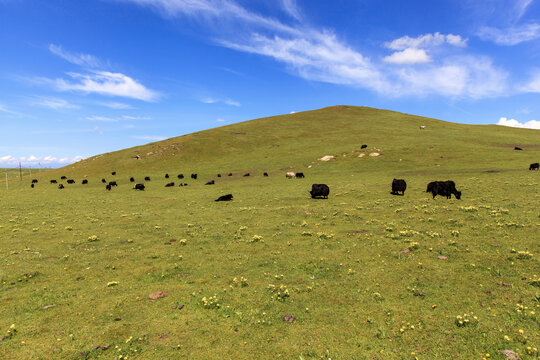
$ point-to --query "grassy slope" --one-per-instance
(351, 289)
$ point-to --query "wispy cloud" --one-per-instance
(291, 8)
(533, 85)
(149, 137)
(220, 120)
(107, 83)
(224, 101)
(80, 59)
(512, 35)
(408, 56)
(116, 105)
(426, 41)
(5, 109)
(54, 103)
(320, 55)
(101, 119)
(532, 124)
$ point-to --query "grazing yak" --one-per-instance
(32, 186)
(211, 182)
(113, 173)
(138, 187)
(34, 181)
(398, 185)
(131, 179)
(230, 174)
(108, 187)
(363, 146)
(180, 176)
(71, 181)
(534, 166)
(443, 188)
(166, 176)
(53, 181)
(147, 178)
(169, 184)
(246, 174)
(113, 183)
(319, 191)
(299, 175)
(517, 148)
(184, 184)
(265, 174)
(290, 175)
(218, 175)
(194, 176)
(227, 197)
(61, 186)
(63, 177)
(84, 182)
(103, 181)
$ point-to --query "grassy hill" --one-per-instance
(298, 139)
(364, 274)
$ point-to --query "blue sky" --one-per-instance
(79, 78)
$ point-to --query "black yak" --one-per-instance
(443, 188)
(319, 191)
(227, 197)
(84, 182)
(398, 185)
(53, 181)
(211, 182)
(138, 187)
(299, 175)
(113, 183)
(147, 178)
(169, 184)
(534, 166)
(61, 186)
(71, 181)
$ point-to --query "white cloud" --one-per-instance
(320, 55)
(149, 137)
(291, 8)
(54, 103)
(426, 41)
(75, 58)
(224, 101)
(220, 120)
(510, 36)
(532, 124)
(116, 105)
(408, 56)
(107, 83)
(474, 77)
(317, 56)
(33, 161)
(101, 118)
(5, 109)
(533, 86)
(521, 7)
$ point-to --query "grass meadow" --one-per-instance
(170, 274)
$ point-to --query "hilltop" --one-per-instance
(298, 140)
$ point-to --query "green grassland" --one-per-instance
(365, 274)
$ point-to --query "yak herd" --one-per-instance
(318, 191)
